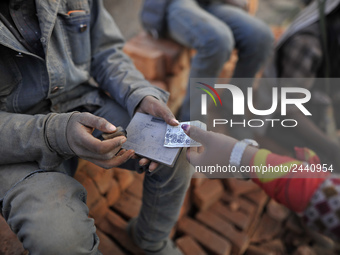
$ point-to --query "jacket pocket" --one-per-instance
(10, 74)
(76, 24)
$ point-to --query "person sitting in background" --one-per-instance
(213, 28)
(308, 54)
(314, 195)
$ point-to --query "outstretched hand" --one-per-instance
(215, 149)
(106, 153)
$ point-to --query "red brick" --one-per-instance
(114, 226)
(239, 219)
(198, 179)
(208, 193)
(238, 187)
(214, 243)
(228, 68)
(268, 229)
(177, 86)
(113, 193)
(81, 163)
(128, 206)
(150, 62)
(116, 220)
(304, 250)
(233, 206)
(136, 188)
(239, 239)
(253, 6)
(99, 209)
(173, 51)
(9, 242)
(277, 211)
(189, 246)
(99, 175)
(240, 203)
(182, 63)
(107, 246)
(259, 198)
(124, 177)
(276, 246)
(93, 194)
(255, 250)
(139, 176)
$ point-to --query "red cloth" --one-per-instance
(293, 189)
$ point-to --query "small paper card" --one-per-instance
(176, 138)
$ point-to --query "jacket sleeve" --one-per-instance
(38, 138)
(111, 68)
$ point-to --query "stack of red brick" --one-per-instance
(165, 63)
(218, 216)
(226, 216)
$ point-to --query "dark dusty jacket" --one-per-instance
(72, 57)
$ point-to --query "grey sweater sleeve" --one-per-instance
(38, 138)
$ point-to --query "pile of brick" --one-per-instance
(165, 63)
(226, 216)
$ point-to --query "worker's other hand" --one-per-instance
(105, 153)
(157, 108)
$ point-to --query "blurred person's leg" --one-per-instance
(253, 38)
(254, 42)
(213, 41)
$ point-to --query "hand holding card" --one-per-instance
(146, 135)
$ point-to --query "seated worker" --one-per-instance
(213, 28)
(311, 51)
(49, 108)
(314, 195)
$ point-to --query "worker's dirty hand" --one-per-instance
(106, 153)
(157, 108)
